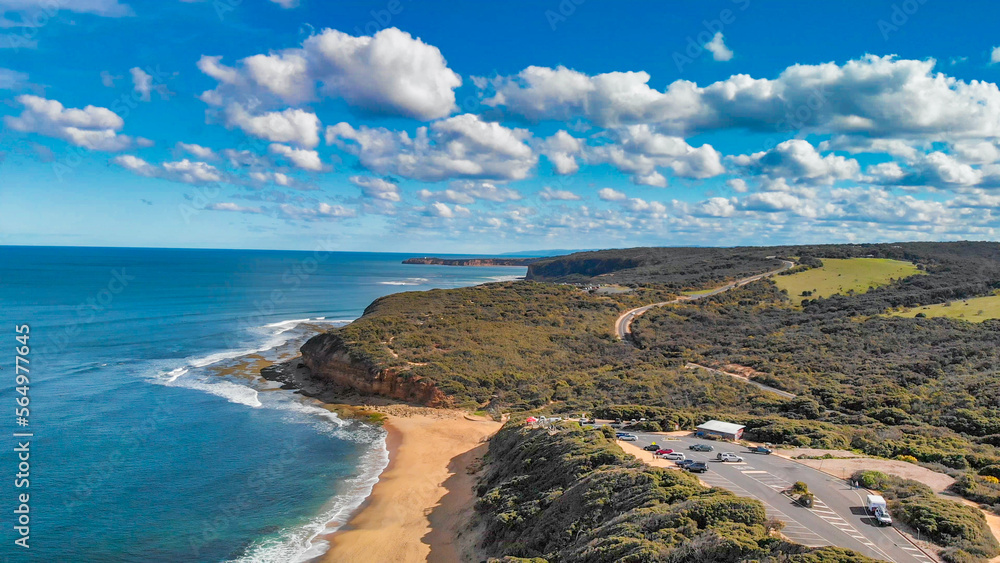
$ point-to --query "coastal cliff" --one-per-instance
(329, 359)
(429, 260)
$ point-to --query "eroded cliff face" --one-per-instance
(327, 356)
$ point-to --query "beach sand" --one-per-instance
(424, 498)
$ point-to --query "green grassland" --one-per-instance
(975, 309)
(845, 277)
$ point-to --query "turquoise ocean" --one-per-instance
(152, 439)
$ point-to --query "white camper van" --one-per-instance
(877, 508)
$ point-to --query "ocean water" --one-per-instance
(152, 440)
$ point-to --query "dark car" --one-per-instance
(651, 448)
(684, 463)
(760, 450)
(701, 447)
(697, 467)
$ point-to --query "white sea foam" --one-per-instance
(233, 392)
(173, 374)
(407, 281)
(304, 543)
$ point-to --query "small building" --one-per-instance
(724, 430)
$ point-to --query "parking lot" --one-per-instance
(837, 518)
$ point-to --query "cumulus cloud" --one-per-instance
(608, 194)
(797, 161)
(92, 127)
(293, 126)
(198, 151)
(875, 96)
(323, 211)
(467, 192)
(936, 169)
(271, 177)
(184, 171)
(463, 146)
(562, 149)
(641, 152)
(304, 159)
(390, 73)
(377, 188)
(738, 185)
(548, 194)
(717, 47)
(443, 211)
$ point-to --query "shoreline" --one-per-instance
(423, 498)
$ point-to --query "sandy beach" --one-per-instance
(422, 499)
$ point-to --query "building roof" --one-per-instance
(719, 426)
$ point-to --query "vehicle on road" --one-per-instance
(626, 437)
(674, 456)
(697, 467)
(875, 501)
(701, 447)
(882, 517)
(683, 463)
(760, 450)
(728, 456)
(662, 452)
(651, 448)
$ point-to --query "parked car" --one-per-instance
(674, 456)
(625, 437)
(728, 456)
(663, 452)
(760, 450)
(697, 467)
(882, 517)
(683, 463)
(701, 447)
(651, 448)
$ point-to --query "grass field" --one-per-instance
(698, 291)
(976, 309)
(843, 276)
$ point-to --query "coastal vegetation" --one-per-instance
(845, 276)
(960, 528)
(571, 494)
(973, 309)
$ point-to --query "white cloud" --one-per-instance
(797, 161)
(92, 127)
(106, 8)
(389, 73)
(269, 177)
(229, 206)
(562, 149)
(608, 194)
(875, 96)
(142, 83)
(995, 55)
(198, 151)
(294, 126)
(320, 212)
(108, 79)
(641, 152)
(548, 194)
(855, 145)
(441, 210)
(468, 191)
(377, 188)
(301, 158)
(738, 185)
(717, 207)
(12, 79)
(458, 147)
(185, 171)
(717, 47)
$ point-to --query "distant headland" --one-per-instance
(472, 261)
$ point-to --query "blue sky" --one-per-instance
(400, 125)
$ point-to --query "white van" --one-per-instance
(876, 501)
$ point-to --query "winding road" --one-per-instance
(623, 326)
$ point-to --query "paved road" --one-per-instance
(838, 517)
(623, 326)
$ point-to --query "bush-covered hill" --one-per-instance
(512, 345)
(571, 494)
